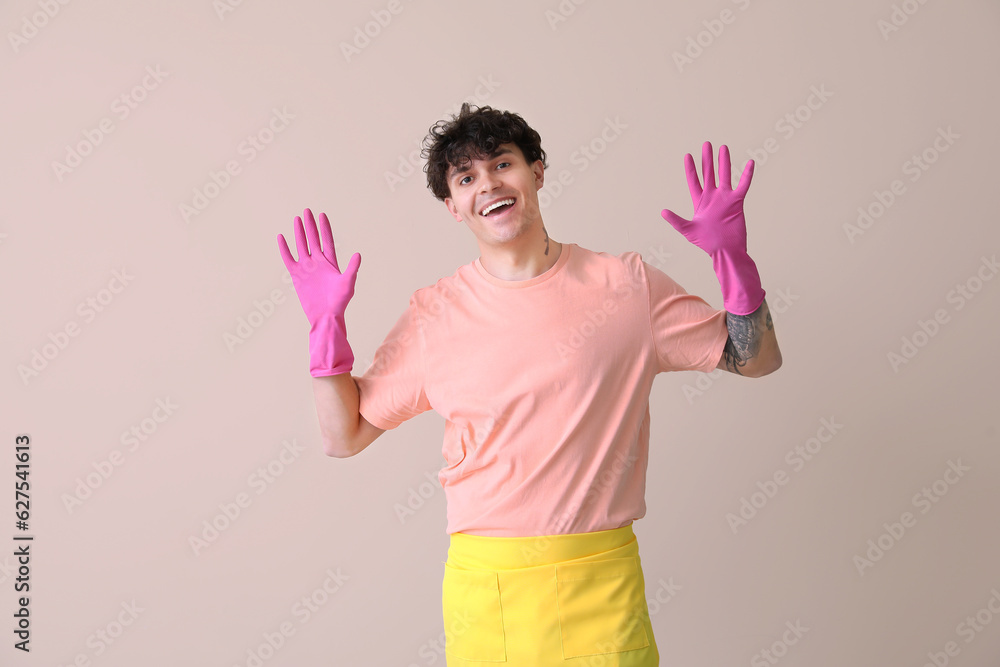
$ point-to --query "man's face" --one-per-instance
(502, 176)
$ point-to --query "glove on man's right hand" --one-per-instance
(324, 293)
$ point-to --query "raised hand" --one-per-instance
(718, 222)
(324, 292)
(719, 227)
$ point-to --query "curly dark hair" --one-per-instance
(473, 134)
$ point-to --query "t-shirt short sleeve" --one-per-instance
(688, 333)
(392, 388)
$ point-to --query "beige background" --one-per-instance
(841, 306)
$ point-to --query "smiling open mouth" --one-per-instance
(497, 207)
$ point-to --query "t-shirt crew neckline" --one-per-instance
(517, 284)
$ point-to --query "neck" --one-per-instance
(522, 258)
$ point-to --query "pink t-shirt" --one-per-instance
(544, 386)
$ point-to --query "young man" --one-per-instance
(540, 356)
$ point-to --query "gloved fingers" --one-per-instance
(745, 179)
(329, 250)
(725, 169)
(286, 254)
(301, 247)
(692, 175)
(352, 267)
(707, 165)
(311, 234)
(676, 221)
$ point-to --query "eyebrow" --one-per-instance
(492, 156)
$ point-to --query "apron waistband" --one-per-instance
(481, 552)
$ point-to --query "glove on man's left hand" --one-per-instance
(719, 228)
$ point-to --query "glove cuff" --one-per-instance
(329, 351)
(742, 293)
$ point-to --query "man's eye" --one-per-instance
(462, 182)
(507, 163)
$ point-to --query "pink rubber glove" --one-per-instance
(719, 228)
(323, 292)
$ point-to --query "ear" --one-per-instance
(539, 170)
(452, 209)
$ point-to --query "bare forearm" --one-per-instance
(752, 348)
(337, 408)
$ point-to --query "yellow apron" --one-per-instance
(574, 599)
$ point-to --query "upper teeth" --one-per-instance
(492, 206)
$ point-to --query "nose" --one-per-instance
(489, 181)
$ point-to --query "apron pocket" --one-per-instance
(473, 621)
(601, 603)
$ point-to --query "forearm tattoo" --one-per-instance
(745, 333)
